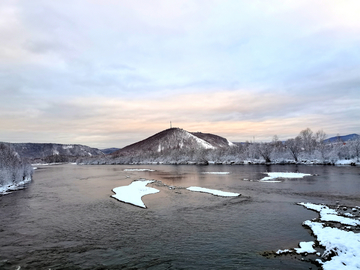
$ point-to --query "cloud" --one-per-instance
(107, 73)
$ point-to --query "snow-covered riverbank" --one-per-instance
(337, 232)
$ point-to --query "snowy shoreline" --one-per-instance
(335, 230)
(18, 186)
(228, 162)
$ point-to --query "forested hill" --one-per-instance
(52, 152)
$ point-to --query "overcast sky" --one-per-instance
(107, 73)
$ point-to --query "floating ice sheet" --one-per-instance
(139, 170)
(276, 175)
(214, 192)
(132, 193)
(215, 172)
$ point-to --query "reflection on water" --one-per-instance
(66, 218)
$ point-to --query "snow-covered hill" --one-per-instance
(43, 150)
(175, 138)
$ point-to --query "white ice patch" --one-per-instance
(132, 193)
(215, 172)
(214, 191)
(282, 175)
(139, 170)
(282, 251)
(306, 247)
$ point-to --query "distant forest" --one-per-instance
(307, 148)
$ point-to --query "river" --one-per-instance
(66, 218)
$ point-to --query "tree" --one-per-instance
(265, 150)
(294, 147)
(308, 140)
(354, 146)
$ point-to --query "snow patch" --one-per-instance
(306, 247)
(139, 170)
(213, 191)
(327, 214)
(215, 173)
(201, 142)
(20, 185)
(132, 193)
(67, 146)
(344, 245)
(282, 175)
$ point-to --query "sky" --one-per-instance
(108, 73)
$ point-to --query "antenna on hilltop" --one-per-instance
(170, 125)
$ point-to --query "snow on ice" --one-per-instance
(215, 172)
(277, 175)
(306, 247)
(139, 170)
(214, 192)
(132, 193)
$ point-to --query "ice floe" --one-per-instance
(276, 175)
(139, 170)
(214, 192)
(132, 193)
(215, 172)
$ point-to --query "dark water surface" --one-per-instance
(66, 219)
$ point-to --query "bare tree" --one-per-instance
(308, 140)
(265, 150)
(294, 147)
(355, 148)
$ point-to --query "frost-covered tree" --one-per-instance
(308, 140)
(354, 147)
(13, 169)
(265, 150)
(294, 147)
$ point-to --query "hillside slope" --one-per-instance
(43, 150)
(175, 138)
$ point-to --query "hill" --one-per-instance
(344, 138)
(175, 138)
(53, 152)
(109, 150)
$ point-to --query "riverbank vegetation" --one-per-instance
(14, 171)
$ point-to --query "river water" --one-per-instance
(66, 218)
